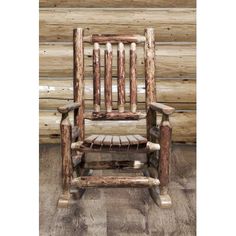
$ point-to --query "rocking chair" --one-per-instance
(76, 174)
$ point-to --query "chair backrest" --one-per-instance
(109, 40)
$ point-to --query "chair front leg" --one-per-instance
(164, 159)
(67, 168)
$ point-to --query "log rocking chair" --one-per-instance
(76, 172)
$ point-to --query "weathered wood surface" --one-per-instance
(165, 151)
(114, 181)
(108, 77)
(96, 78)
(114, 115)
(117, 3)
(184, 127)
(171, 24)
(173, 60)
(121, 77)
(181, 93)
(114, 38)
(135, 212)
(149, 60)
(66, 135)
(162, 108)
(133, 78)
(78, 79)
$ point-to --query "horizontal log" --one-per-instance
(173, 60)
(117, 3)
(114, 181)
(171, 24)
(184, 127)
(115, 116)
(113, 38)
(168, 90)
(53, 103)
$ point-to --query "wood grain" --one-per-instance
(78, 79)
(184, 124)
(133, 78)
(171, 24)
(117, 3)
(173, 60)
(168, 90)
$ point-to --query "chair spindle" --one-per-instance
(96, 78)
(108, 77)
(121, 77)
(133, 82)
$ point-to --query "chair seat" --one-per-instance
(116, 141)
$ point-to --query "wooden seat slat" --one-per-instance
(115, 141)
(140, 139)
(99, 140)
(132, 140)
(124, 141)
(90, 139)
(107, 140)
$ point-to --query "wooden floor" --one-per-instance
(120, 212)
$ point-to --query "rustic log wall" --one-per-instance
(174, 24)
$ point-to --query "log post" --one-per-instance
(96, 78)
(66, 136)
(121, 77)
(165, 144)
(150, 84)
(108, 77)
(79, 79)
(133, 81)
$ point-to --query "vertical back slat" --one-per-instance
(78, 80)
(133, 81)
(108, 77)
(150, 66)
(121, 76)
(96, 78)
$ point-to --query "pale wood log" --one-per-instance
(108, 77)
(133, 78)
(79, 79)
(174, 60)
(66, 135)
(162, 108)
(121, 77)
(113, 38)
(164, 158)
(114, 181)
(170, 24)
(168, 90)
(100, 165)
(96, 78)
(118, 3)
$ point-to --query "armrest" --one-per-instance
(68, 107)
(167, 110)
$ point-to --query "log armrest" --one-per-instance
(164, 109)
(68, 107)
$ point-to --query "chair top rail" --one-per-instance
(114, 38)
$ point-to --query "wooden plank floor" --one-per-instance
(119, 211)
